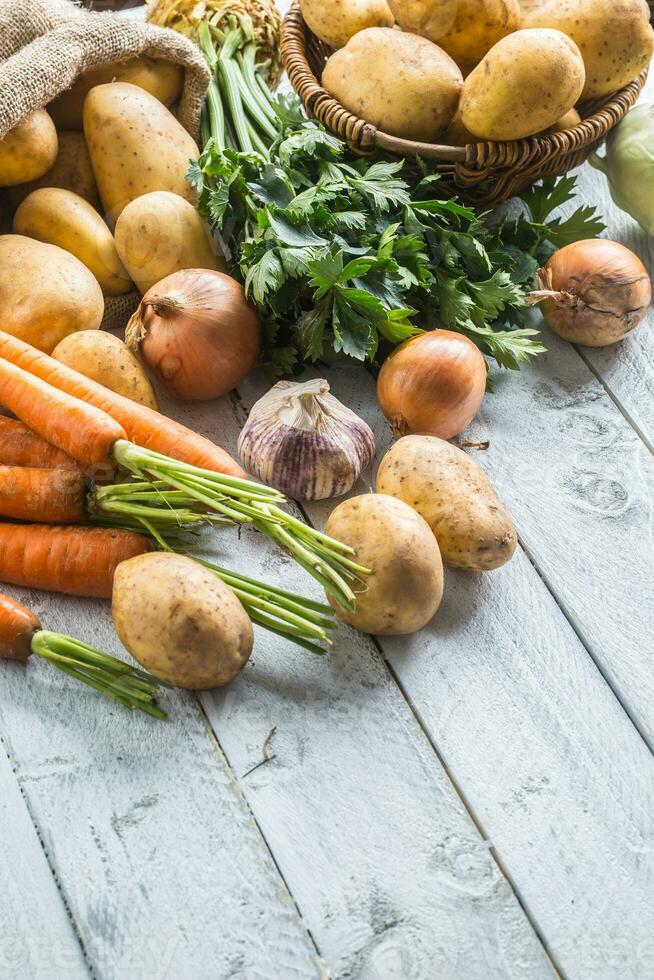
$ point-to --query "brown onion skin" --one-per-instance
(604, 291)
(432, 384)
(219, 348)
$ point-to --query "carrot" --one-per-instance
(43, 496)
(83, 431)
(19, 446)
(90, 433)
(148, 428)
(21, 635)
(17, 628)
(73, 560)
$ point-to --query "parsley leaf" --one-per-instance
(544, 198)
(337, 252)
(311, 329)
(299, 236)
(264, 276)
(397, 326)
(510, 348)
(584, 223)
(495, 294)
(349, 220)
(325, 272)
(380, 188)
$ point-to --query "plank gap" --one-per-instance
(587, 645)
(459, 792)
(53, 871)
(615, 399)
(215, 741)
(415, 711)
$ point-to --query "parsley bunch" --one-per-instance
(341, 254)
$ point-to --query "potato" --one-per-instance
(62, 218)
(160, 78)
(406, 585)
(478, 25)
(456, 134)
(335, 22)
(104, 358)
(28, 150)
(525, 83)
(431, 18)
(568, 121)
(45, 292)
(161, 233)
(180, 621)
(614, 36)
(465, 29)
(402, 83)
(71, 170)
(136, 146)
(455, 497)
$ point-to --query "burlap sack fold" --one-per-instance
(45, 45)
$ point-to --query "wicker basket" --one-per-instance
(482, 173)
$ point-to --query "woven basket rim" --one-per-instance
(295, 36)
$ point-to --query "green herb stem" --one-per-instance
(260, 95)
(129, 686)
(270, 625)
(229, 86)
(291, 616)
(162, 517)
(216, 115)
(328, 560)
(157, 510)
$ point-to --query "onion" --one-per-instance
(433, 384)
(593, 292)
(197, 332)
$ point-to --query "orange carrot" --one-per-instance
(144, 426)
(92, 431)
(17, 628)
(83, 431)
(19, 446)
(73, 560)
(43, 496)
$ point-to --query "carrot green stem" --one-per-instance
(160, 515)
(251, 600)
(125, 684)
(331, 562)
(292, 616)
(272, 627)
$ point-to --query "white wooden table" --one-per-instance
(471, 803)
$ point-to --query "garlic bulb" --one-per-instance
(303, 441)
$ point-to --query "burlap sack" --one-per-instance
(45, 45)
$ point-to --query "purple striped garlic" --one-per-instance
(303, 441)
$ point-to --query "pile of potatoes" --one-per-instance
(96, 182)
(434, 504)
(457, 71)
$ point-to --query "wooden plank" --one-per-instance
(389, 873)
(37, 937)
(543, 753)
(627, 369)
(550, 764)
(580, 484)
(155, 851)
(386, 867)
